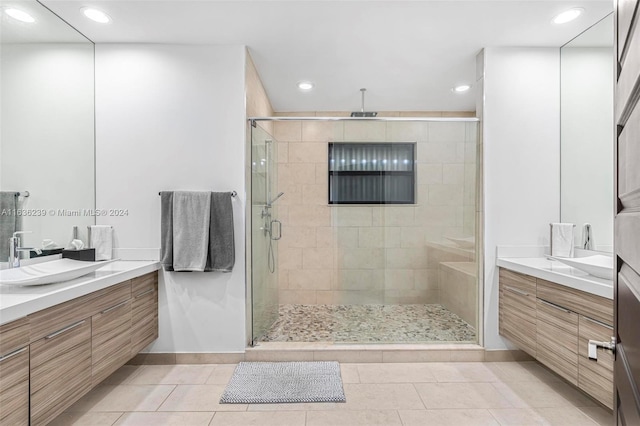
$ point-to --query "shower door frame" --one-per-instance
(268, 214)
(479, 229)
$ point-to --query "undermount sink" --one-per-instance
(599, 266)
(49, 272)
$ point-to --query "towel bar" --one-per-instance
(22, 194)
(233, 193)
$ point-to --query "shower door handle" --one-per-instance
(274, 221)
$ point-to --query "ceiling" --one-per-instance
(49, 28)
(408, 54)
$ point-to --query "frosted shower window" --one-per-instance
(371, 173)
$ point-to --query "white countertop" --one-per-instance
(559, 273)
(17, 302)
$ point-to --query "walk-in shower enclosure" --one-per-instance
(377, 225)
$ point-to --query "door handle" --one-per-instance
(12, 354)
(516, 291)
(64, 330)
(594, 345)
(114, 307)
(274, 221)
(553, 305)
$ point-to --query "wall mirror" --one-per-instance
(47, 126)
(586, 133)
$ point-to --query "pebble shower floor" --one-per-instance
(369, 324)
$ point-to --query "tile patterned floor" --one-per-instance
(369, 324)
(460, 394)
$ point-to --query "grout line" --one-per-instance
(119, 417)
(212, 417)
(215, 367)
(424, 404)
(494, 417)
(166, 397)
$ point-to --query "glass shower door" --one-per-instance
(265, 231)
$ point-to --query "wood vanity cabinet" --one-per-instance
(60, 370)
(557, 340)
(517, 309)
(565, 320)
(51, 358)
(588, 304)
(144, 326)
(595, 377)
(111, 337)
(14, 373)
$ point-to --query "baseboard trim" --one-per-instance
(355, 354)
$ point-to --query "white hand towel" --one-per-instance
(48, 244)
(76, 244)
(101, 239)
(562, 239)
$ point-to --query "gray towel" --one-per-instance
(10, 222)
(166, 230)
(191, 217)
(222, 253)
(220, 247)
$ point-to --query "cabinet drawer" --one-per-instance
(595, 377)
(60, 370)
(144, 283)
(49, 320)
(144, 315)
(577, 301)
(557, 340)
(14, 335)
(517, 310)
(14, 387)
(519, 281)
(110, 340)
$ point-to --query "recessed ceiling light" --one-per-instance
(305, 86)
(96, 15)
(20, 15)
(461, 88)
(568, 15)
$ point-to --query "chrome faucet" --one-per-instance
(15, 249)
(587, 238)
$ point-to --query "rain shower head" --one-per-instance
(275, 199)
(362, 112)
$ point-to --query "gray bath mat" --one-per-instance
(280, 382)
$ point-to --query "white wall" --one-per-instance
(521, 137)
(171, 117)
(47, 135)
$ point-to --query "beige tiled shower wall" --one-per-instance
(371, 254)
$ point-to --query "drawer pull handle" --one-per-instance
(59, 332)
(598, 322)
(516, 291)
(12, 354)
(146, 292)
(113, 308)
(553, 305)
